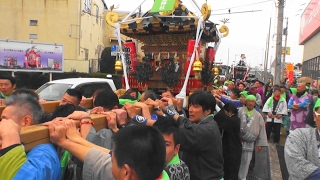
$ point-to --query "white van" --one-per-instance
(54, 90)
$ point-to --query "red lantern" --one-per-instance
(131, 50)
(190, 48)
(211, 52)
(290, 75)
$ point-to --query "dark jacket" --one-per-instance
(267, 95)
(202, 148)
(231, 144)
(309, 119)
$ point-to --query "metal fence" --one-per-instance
(311, 68)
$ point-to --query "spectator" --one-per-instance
(252, 132)
(27, 91)
(284, 93)
(7, 86)
(167, 94)
(275, 107)
(242, 86)
(301, 150)
(234, 98)
(133, 92)
(148, 94)
(71, 96)
(310, 122)
(230, 87)
(253, 91)
(23, 109)
(259, 85)
(106, 99)
(267, 93)
(175, 168)
(41, 162)
(229, 125)
(131, 146)
(178, 103)
(200, 136)
(299, 104)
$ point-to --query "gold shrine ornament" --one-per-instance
(206, 11)
(215, 71)
(118, 65)
(224, 30)
(197, 66)
(111, 18)
(166, 13)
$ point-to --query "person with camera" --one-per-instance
(275, 107)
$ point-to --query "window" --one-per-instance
(97, 14)
(87, 90)
(86, 54)
(87, 6)
(52, 91)
(33, 36)
(33, 22)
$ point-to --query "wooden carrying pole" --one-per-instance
(38, 134)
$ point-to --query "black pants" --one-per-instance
(276, 131)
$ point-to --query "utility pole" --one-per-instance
(277, 78)
(285, 32)
(267, 54)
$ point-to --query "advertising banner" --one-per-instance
(33, 57)
(309, 23)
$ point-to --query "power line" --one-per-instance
(242, 5)
(238, 12)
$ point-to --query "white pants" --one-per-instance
(246, 157)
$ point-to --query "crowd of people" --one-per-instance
(214, 137)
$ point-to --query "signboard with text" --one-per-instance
(309, 23)
(33, 57)
(163, 5)
(287, 50)
(114, 50)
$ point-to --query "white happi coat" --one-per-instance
(280, 109)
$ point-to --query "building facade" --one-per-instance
(77, 24)
(310, 39)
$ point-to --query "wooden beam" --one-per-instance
(88, 103)
(1, 109)
(38, 134)
(49, 106)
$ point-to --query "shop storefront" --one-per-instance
(310, 39)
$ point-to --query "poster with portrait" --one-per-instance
(30, 56)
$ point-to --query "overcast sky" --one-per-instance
(248, 31)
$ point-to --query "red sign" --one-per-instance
(310, 21)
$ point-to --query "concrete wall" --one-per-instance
(312, 48)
